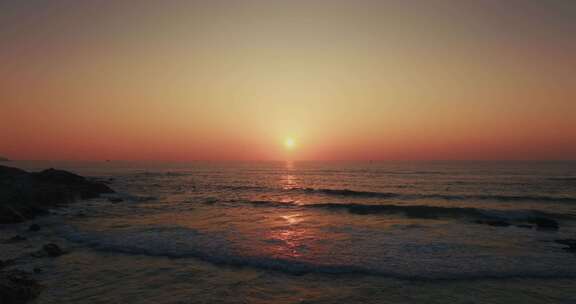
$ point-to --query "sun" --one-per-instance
(289, 143)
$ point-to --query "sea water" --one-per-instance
(315, 232)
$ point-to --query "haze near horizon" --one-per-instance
(268, 80)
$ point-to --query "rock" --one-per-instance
(49, 250)
(37, 270)
(525, 226)
(4, 159)
(4, 263)
(53, 250)
(39, 254)
(544, 223)
(115, 200)
(59, 176)
(15, 239)
(25, 195)
(17, 288)
(8, 172)
(34, 228)
(496, 223)
(75, 183)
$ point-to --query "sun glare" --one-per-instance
(289, 143)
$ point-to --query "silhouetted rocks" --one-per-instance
(53, 250)
(16, 287)
(25, 195)
(49, 250)
(3, 159)
(525, 226)
(9, 172)
(115, 200)
(34, 228)
(4, 263)
(77, 186)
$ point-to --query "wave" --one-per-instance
(423, 211)
(179, 242)
(408, 196)
(563, 179)
(128, 197)
(242, 187)
(160, 174)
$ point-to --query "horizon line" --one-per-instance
(294, 160)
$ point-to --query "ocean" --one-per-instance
(315, 232)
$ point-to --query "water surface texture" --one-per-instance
(307, 232)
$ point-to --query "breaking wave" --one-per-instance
(179, 242)
(422, 211)
(407, 196)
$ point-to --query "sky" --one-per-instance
(234, 79)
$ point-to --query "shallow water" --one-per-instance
(305, 232)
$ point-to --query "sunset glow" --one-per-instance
(288, 151)
(223, 80)
(289, 143)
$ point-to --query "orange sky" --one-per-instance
(365, 79)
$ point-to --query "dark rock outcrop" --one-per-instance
(3, 159)
(49, 250)
(34, 228)
(53, 250)
(9, 172)
(25, 195)
(75, 185)
(4, 263)
(16, 287)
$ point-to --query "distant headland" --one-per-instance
(4, 159)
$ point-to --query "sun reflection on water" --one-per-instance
(290, 234)
(288, 182)
(292, 219)
(291, 239)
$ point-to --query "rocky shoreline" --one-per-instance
(24, 196)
